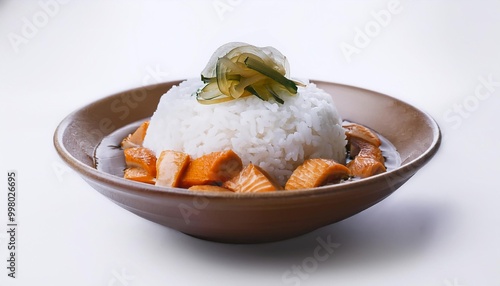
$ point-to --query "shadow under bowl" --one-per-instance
(248, 218)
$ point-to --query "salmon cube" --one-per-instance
(252, 179)
(137, 138)
(368, 161)
(212, 169)
(365, 167)
(139, 175)
(367, 150)
(140, 157)
(170, 168)
(315, 173)
(353, 130)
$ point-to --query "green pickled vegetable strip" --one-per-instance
(263, 92)
(244, 82)
(254, 92)
(209, 91)
(273, 74)
(275, 96)
(280, 90)
(208, 79)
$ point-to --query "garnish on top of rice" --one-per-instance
(238, 70)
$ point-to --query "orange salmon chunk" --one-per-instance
(212, 169)
(315, 173)
(353, 130)
(135, 139)
(139, 175)
(369, 160)
(170, 168)
(365, 167)
(141, 157)
(252, 179)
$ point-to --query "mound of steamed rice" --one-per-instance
(276, 137)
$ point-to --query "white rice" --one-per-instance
(276, 137)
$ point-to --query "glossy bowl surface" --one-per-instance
(248, 218)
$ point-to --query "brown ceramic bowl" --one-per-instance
(248, 218)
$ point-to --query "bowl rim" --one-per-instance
(138, 188)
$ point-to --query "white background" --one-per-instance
(441, 228)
